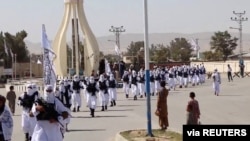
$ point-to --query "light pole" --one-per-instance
(239, 19)
(146, 48)
(117, 31)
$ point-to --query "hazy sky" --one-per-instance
(165, 16)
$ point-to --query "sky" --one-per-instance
(164, 16)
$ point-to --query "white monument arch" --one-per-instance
(74, 11)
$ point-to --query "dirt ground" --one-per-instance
(158, 135)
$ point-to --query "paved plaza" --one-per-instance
(231, 107)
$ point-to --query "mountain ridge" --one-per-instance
(107, 47)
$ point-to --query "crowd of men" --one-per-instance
(56, 104)
(176, 76)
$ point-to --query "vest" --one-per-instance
(76, 85)
(91, 88)
(112, 84)
(157, 78)
(28, 100)
(142, 79)
(49, 111)
(152, 79)
(134, 80)
(125, 79)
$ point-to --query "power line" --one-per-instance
(239, 19)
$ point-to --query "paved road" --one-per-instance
(231, 107)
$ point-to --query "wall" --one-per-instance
(222, 66)
(24, 68)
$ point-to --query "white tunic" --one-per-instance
(46, 131)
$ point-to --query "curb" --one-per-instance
(119, 137)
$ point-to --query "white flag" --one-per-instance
(107, 67)
(194, 45)
(49, 69)
(11, 53)
(39, 62)
(45, 40)
(117, 50)
(5, 48)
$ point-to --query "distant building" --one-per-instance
(245, 56)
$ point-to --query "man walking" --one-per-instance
(11, 97)
(229, 73)
(216, 82)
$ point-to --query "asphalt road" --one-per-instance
(231, 107)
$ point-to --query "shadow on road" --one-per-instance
(79, 130)
(231, 95)
(97, 116)
(123, 110)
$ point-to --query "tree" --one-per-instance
(180, 49)
(223, 44)
(134, 48)
(16, 45)
(159, 53)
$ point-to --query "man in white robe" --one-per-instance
(26, 100)
(6, 120)
(49, 113)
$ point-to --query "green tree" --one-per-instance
(160, 53)
(223, 44)
(134, 48)
(111, 58)
(180, 49)
(16, 45)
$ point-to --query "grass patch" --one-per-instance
(159, 135)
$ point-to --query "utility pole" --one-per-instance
(239, 19)
(117, 31)
(197, 49)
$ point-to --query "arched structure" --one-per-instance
(74, 9)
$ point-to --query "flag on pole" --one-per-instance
(194, 45)
(45, 40)
(11, 53)
(39, 62)
(48, 56)
(107, 67)
(5, 48)
(117, 50)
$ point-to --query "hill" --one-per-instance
(154, 38)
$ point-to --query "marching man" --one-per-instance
(112, 90)
(76, 86)
(103, 92)
(49, 112)
(152, 83)
(141, 83)
(92, 91)
(26, 100)
(125, 79)
(133, 82)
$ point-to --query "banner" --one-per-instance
(48, 56)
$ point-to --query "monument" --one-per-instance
(74, 11)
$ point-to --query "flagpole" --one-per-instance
(12, 61)
(15, 66)
(30, 68)
(146, 48)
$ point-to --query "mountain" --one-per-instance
(106, 43)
